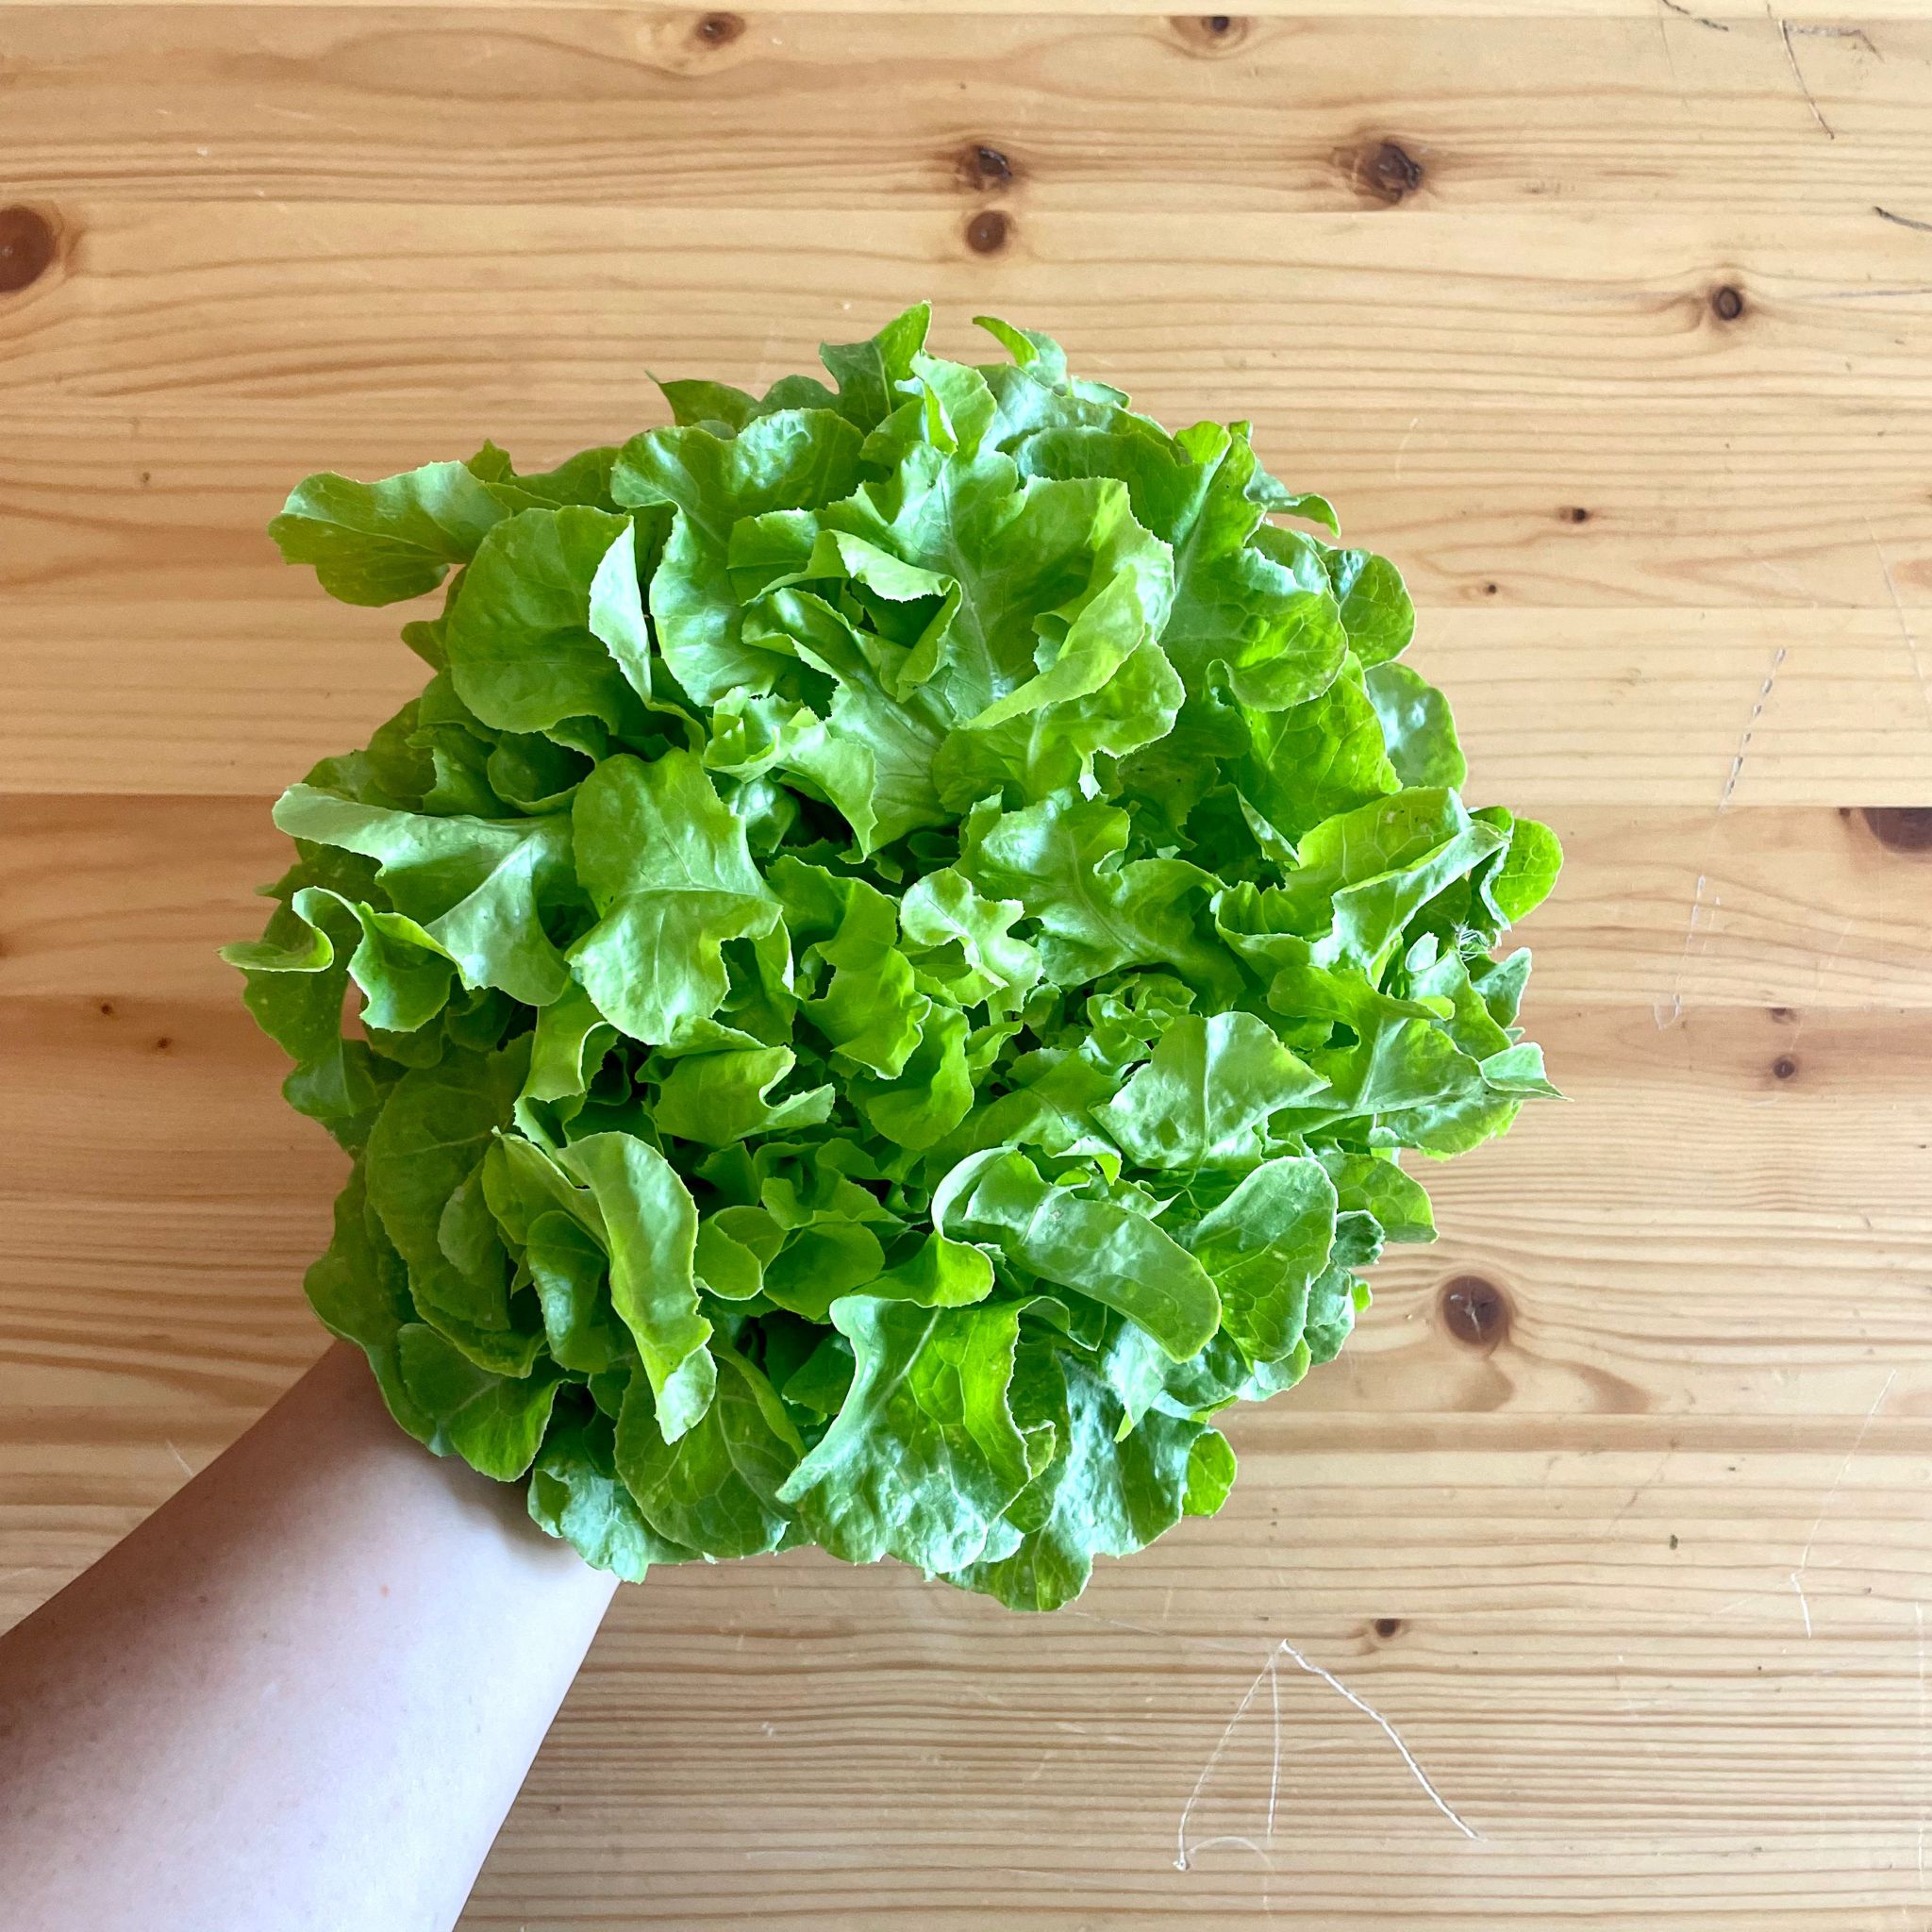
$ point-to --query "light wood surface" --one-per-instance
(1634, 1582)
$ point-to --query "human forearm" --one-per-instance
(301, 1695)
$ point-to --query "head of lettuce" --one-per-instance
(896, 951)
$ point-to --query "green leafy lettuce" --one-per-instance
(895, 955)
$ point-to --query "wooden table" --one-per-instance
(1610, 320)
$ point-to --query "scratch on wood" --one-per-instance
(1274, 1764)
(1185, 1854)
(1402, 447)
(1750, 728)
(1784, 27)
(186, 1468)
(1904, 628)
(1838, 1482)
(1234, 1838)
(1663, 34)
(1663, 1025)
(1839, 33)
(1702, 20)
(1804, 1602)
(1181, 1848)
(1388, 1730)
(1649, 1482)
(1885, 215)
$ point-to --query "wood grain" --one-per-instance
(1121, 114)
(1636, 1566)
(218, 301)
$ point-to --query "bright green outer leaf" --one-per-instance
(524, 644)
(1334, 1302)
(1097, 1248)
(476, 886)
(940, 1274)
(1364, 873)
(1315, 759)
(1210, 1474)
(403, 972)
(1204, 1098)
(924, 1456)
(1518, 1070)
(1528, 872)
(381, 542)
(297, 971)
(1099, 1496)
(715, 1486)
(429, 1138)
(494, 1422)
(1376, 608)
(782, 461)
(584, 477)
(1374, 1184)
(1430, 1095)
(943, 914)
(1501, 983)
(1369, 917)
(714, 405)
(1262, 1246)
(869, 372)
(1416, 724)
(666, 865)
(721, 1097)
(1028, 347)
(575, 1494)
(344, 1089)
(651, 1228)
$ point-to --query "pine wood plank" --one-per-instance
(1728, 12)
(1097, 111)
(251, 300)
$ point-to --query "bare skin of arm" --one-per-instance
(299, 1698)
